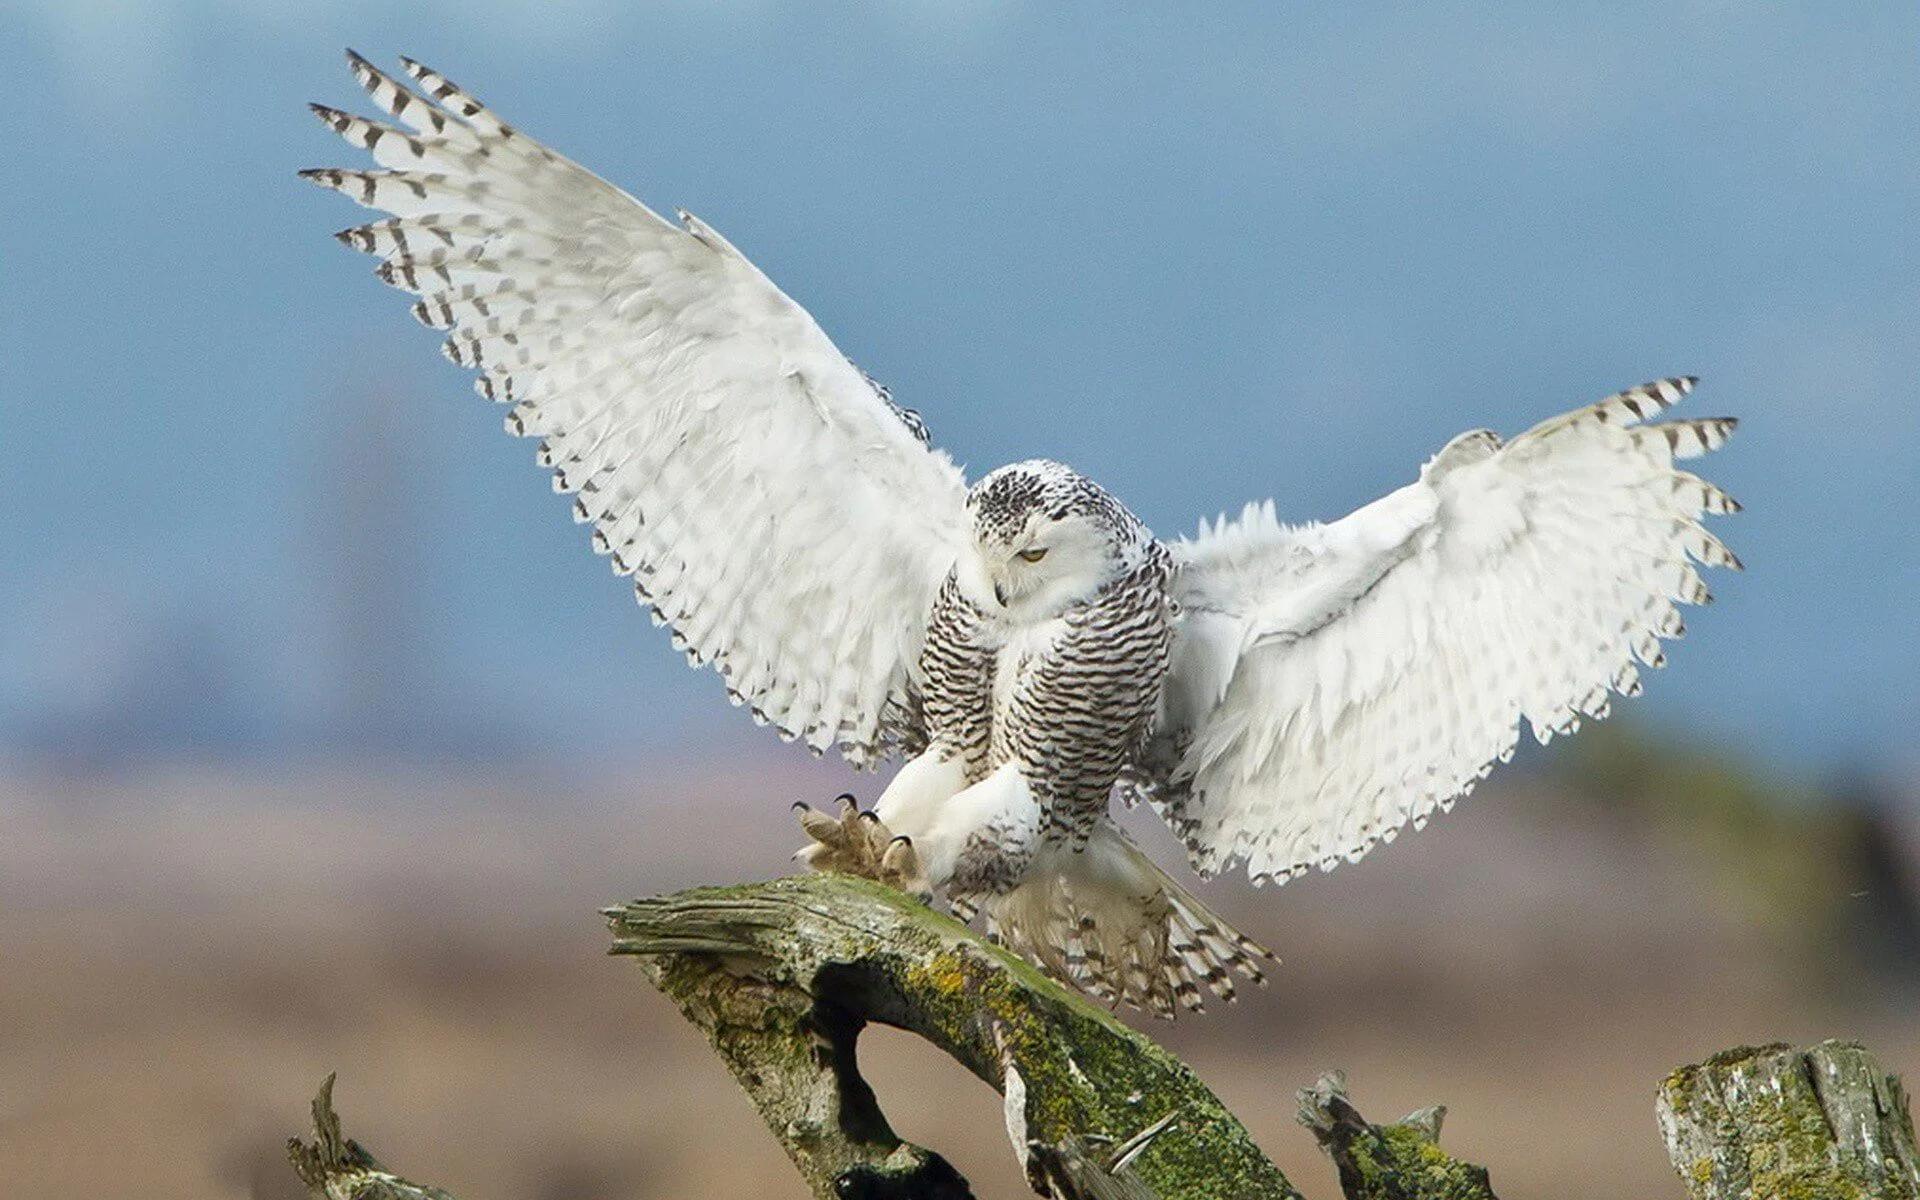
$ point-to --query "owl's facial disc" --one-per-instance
(1044, 539)
(1050, 563)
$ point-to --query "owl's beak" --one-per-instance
(1000, 593)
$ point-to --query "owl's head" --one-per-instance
(1046, 538)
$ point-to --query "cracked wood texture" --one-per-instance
(782, 976)
(1776, 1123)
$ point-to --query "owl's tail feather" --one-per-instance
(1105, 919)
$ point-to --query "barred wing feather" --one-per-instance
(770, 502)
(1332, 683)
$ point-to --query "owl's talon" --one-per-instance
(878, 838)
(900, 868)
(823, 829)
(859, 843)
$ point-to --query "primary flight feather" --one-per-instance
(1284, 696)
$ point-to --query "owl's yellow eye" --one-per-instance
(1033, 555)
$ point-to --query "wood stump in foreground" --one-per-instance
(783, 976)
(1824, 1123)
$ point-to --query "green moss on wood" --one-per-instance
(1402, 1161)
(1825, 1123)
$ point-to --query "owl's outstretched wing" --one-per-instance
(770, 501)
(1333, 682)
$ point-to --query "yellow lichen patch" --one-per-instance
(944, 974)
(1702, 1174)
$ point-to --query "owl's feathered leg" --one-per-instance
(973, 841)
(859, 843)
(919, 798)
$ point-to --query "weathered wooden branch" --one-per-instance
(1824, 1123)
(783, 976)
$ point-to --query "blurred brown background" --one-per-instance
(186, 955)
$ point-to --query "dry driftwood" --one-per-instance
(782, 977)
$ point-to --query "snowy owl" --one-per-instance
(1284, 696)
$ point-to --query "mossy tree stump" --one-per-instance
(1775, 1123)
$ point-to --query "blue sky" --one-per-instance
(1203, 255)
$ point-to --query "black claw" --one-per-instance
(902, 838)
(847, 797)
(802, 806)
(870, 815)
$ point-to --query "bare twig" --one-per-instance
(336, 1167)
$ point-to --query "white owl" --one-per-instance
(1284, 696)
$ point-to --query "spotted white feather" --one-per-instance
(770, 503)
(1334, 683)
